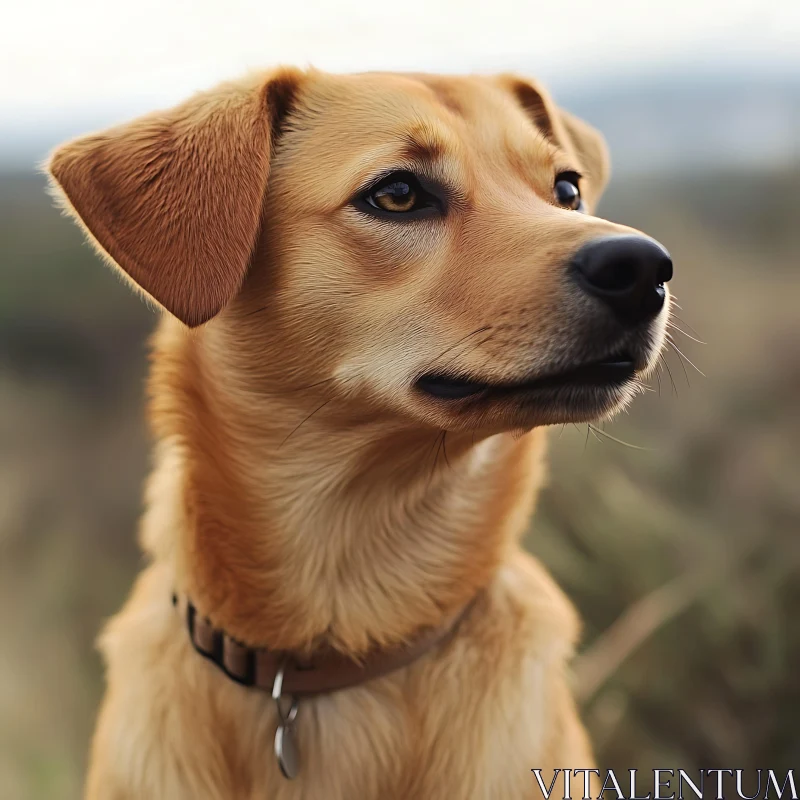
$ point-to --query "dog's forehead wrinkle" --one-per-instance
(443, 88)
(426, 141)
(375, 108)
(447, 92)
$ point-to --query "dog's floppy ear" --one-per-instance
(568, 131)
(175, 198)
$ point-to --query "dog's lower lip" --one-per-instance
(600, 373)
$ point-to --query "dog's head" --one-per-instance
(423, 246)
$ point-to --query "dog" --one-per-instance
(379, 291)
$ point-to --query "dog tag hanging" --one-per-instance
(286, 750)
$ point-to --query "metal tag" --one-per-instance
(286, 751)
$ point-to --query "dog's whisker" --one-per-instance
(671, 344)
(680, 361)
(463, 339)
(682, 355)
(444, 450)
(673, 327)
(438, 444)
(614, 439)
(294, 431)
(342, 382)
(684, 323)
(433, 450)
(657, 373)
(318, 408)
(663, 360)
(473, 348)
(257, 311)
(586, 441)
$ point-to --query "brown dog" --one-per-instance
(382, 289)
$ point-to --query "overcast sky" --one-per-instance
(61, 56)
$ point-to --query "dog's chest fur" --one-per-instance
(469, 720)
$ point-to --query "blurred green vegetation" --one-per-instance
(692, 542)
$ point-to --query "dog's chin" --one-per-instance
(586, 392)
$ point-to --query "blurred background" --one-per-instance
(682, 552)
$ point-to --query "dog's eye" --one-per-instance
(567, 192)
(398, 194)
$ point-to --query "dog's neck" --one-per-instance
(292, 529)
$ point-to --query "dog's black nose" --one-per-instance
(627, 273)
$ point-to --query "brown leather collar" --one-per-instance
(327, 671)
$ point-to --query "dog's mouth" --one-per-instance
(609, 373)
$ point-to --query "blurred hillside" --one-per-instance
(696, 537)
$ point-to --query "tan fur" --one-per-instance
(303, 493)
